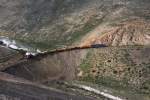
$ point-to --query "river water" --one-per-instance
(17, 45)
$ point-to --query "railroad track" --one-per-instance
(68, 49)
(30, 55)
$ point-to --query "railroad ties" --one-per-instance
(69, 49)
(28, 55)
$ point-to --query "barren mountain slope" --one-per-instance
(53, 23)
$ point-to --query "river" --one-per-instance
(17, 45)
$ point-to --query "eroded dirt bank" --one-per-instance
(61, 66)
(8, 57)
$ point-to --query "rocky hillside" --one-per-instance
(119, 69)
(52, 24)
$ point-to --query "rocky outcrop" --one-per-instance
(130, 32)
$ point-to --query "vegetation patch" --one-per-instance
(116, 68)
